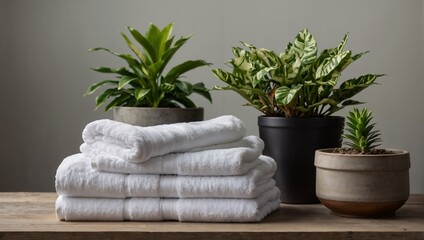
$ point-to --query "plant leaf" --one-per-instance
(305, 47)
(145, 43)
(186, 102)
(182, 68)
(329, 64)
(120, 71)
(169, 53)
(104, 96)
(285, 95)
(137, 51)
(132, 63)
(95, 86)
(165, 35)
(200, 89)
(140, 93)
(124, 81)
(352, 87)
(185, 87)
(117, 101)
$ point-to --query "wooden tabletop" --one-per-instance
(32, 216)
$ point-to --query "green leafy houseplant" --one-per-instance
(143, 82)
(296, 83)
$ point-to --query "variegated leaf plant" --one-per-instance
(296, 83)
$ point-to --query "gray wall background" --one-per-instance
(44, 66)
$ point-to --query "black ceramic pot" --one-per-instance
(292, 143)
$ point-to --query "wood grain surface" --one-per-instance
(32, 216)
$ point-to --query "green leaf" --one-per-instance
(95, 86)
(154, 69)
(104, 96)
(350, 102)
(241, 63)
(305, 47)
(137, 51)
(145, 43)
(140, 93)
(120, 71)
(227, 77)
(132, 63)
(241, 92)
(165, 35)
(186, 102)
(184, 67)
(167, 87)
(124, 81)
(200, 89)
(155, 37)
(117, 101)
(342, 43)
(169, 53)
(351, 87)
(185, 87)
(285, 95)
(329, 64)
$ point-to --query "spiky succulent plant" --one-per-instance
(360, 131)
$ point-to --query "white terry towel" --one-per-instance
(138, 144)
(75, 177)
(158, 209)
(235, 158)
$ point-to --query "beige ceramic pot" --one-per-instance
(362, 185)
(155, 116)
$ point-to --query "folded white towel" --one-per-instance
(158, 209)
(235, 158)
(75, 177)
(138, 144)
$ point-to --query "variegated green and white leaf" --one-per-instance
(226, 77)
(250, 46)
(305, 47)
(241, 63)
(351, 87)
(293, 70)
(260, 75)
(285, 95)
(342, 43)
(329, 64)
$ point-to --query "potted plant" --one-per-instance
(297, 91)
(362, 181)
(141, 93)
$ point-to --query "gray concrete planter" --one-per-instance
(362, 185)
(155, 116)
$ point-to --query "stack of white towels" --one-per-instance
(206, 171)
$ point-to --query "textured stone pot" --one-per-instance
(155, 116)
(292, 143)
(362, 185)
